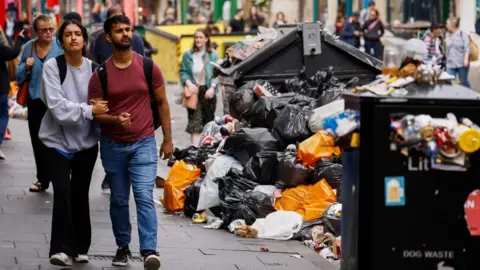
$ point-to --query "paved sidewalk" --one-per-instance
(25, 220)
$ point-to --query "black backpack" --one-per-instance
(62, 67)
(147, 70)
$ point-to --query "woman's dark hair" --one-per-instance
(82, 28)
(72, 16)
(208, 45)
(107, 26)
(281, 13)
(376, 12)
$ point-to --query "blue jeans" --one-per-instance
(376, 47)
(462, 74)
(134, 163)
(3, 115)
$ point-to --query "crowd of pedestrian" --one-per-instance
(71, 121)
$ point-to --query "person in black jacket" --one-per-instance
(351, 31)
(373, 30)
(6, 54)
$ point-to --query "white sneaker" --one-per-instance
(61, 259)
(81, 258)
(2, 156)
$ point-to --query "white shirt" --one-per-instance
(198, 67)
(10, 26)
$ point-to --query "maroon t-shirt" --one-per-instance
(127, 92)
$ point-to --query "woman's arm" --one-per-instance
(8, 54)
(21, 71)
(185, 70)
(65, 112)
(466, 51)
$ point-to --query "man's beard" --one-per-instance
(122, 46)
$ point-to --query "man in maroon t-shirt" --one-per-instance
(127, 147)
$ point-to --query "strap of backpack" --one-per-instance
(94, 66)
(62, 67)
(102, 76)
(148, 71)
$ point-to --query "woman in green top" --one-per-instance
(195, 63)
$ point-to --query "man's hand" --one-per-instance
(209, 94)
(166, 149)
(99, 106)
(466, 62)
(30, 61)
(124, 120)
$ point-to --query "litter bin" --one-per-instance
(429, 227)
(303, 49)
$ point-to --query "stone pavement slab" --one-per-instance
(25, 220)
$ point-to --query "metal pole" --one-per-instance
(315, 10)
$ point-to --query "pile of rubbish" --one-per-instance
(14, 109)
(446, 142)
(272, 168)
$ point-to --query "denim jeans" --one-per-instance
(3, 115)
(376, 47)
(134, 163)
(462, 74)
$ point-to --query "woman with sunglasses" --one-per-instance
(37, 52)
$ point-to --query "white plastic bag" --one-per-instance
(280, 225)
(315, 123)
(267, 189)
(209, 190)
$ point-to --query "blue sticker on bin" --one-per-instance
(395, 191)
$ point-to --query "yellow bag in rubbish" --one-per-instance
(321, 145)
(309, 201)
(180, 177)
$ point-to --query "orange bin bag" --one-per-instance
(180, 177)
(321, 145)
(308, 201)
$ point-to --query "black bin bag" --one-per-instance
(292, 172)
(242, 100)
(239, 201)
(266, 109)
(263, 167)
(247, 142)
(192, 194)
(291, 126)
(332, 172)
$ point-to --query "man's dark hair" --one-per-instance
(371, 4)
(115, 9)
(64, 25)
(72, 16)
(41, 18)
(107, 26)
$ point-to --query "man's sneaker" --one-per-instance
(2, 156)
(121, 258)
(61, 259)
(151, 260)
(81, 258)
(105, 186)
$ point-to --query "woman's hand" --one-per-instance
(99, 106)
(192, 87)
(210, 93)
(466, 62)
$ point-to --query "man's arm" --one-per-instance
(95, 93)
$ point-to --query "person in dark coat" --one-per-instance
(6, 54)
(351, 31)
(373, 30)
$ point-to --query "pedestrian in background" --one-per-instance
(255, 20)
(237, 23)
(71, 139)
(457, 51)
(351, 31)
(9, 29)
(373, 30)
(35, 53)
(196, 74)
(128, 148)
(102, 50)
(279, 19)
(6, 54)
